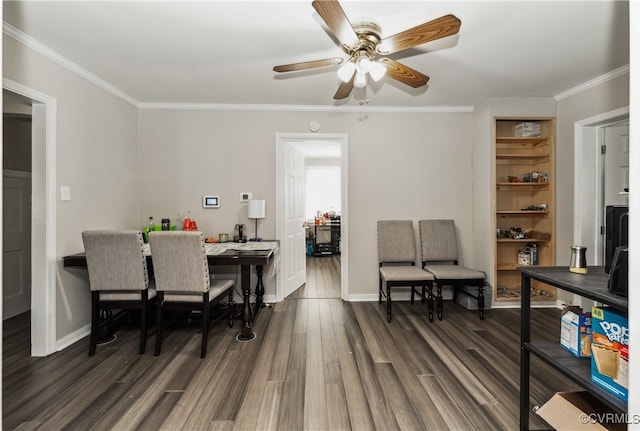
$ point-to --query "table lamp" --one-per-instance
(256, 210)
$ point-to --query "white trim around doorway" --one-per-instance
(43, 218)
(342, 139)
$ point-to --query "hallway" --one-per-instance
(323, 279)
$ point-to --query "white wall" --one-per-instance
(603, 98)
(401, 166)
(97, 156)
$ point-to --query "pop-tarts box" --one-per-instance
(610, 350)
(575, 331)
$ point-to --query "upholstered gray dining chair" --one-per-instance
(439, 249)
(396, 262)
(183, 281)
(118, 277)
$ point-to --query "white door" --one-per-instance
(294, 232)
(16, 243)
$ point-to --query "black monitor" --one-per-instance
(616, 231)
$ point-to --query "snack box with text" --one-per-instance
(610, 350)
(575, 331)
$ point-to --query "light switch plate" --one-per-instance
(65, 193)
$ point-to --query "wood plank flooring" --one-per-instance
(323, 278)
(316, 364)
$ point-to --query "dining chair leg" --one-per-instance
(205, 323)
(439, 302)
(159, 301)
(413, 293)
(481, 302)
(95, 307)
(380, 290)
(430, 303)
(388, 303)
(143, 322)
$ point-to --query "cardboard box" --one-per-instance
(472, 303)
(572, 411)
(528, 129)
(575, 331)
(610, 351)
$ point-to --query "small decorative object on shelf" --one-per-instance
(578, 262)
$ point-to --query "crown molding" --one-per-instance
(592, 83)
(303, 108)
(30, 42)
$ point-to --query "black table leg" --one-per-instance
(246, 333)
(259, 289)
(525, 337)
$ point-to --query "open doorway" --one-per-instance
(16, 199)
(601, 176)
(43, 220)
(322, 218)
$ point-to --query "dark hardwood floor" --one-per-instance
(323, 278)
(316, 364)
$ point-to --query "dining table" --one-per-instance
(258, 254)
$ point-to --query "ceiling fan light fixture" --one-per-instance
(346, 71)
(361, 79)
(376, 70)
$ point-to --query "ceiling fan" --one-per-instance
(363, 44)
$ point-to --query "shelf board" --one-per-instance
(521, 156)
(540, 300)
(523, 213)
(523, 240)
(521, 184)
(509, 266)
(577, 369)
(535, 141)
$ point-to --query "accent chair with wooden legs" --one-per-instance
(118, 277)
(439, 249)
(396, 262)
(183, 281)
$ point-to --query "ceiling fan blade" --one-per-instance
(337, 21)
(403, 73)
(345, 89)
(447, 25)
(308, 65)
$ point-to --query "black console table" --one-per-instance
(592, 285)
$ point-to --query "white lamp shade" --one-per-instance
(256, 208)
(345, 72)
(376, 70)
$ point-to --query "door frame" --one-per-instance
(283, 139)
(589, 174)
(43, 218)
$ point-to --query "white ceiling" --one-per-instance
(222, 52)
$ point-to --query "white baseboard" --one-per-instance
(72, 338)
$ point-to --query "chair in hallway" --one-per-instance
(118, 277)
(439, 249)
(396, 262)
(183, 281)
